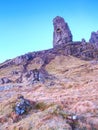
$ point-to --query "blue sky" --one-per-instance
(26, 25)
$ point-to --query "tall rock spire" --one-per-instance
(62, 33)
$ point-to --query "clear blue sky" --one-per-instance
(26, 25)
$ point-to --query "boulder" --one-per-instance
(62, 33)
(22, 106)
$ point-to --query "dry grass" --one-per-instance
(75, 90)
(7, 106)
(36, 63)
(7, 71)
(62, 64)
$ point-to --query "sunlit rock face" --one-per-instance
(62, 33)
(94, 39)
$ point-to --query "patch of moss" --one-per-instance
(41, 106)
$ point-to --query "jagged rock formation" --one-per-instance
(62, 33)
(94, 37)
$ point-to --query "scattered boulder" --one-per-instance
(22, 106)
(62, 33)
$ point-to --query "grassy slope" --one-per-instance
(74, 90)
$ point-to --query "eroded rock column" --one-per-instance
(62, 33)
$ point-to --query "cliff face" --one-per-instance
(61, 84)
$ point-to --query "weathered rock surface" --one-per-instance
(94, 37)
(62, 33)
(5, 80)
(22, 59)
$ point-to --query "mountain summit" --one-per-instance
(54, 89)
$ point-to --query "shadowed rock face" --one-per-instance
(5, 80)
(62, 33)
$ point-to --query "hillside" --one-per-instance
(68, 87)
(58, 87)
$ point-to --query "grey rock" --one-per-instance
(18, 60)
(14, 72)
(35, 76)
(28, 56)
(22, 106)
(83, 41)
(24, 58)
(94, 39)
(1, 81)
(5, 80)
(7, 87)
(62, 33)
(38, 75)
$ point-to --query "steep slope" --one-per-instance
(65, 97)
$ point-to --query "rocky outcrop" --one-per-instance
(84, 51)
(5, 80)
(81, 50)
(37, 75)
(24, 58)
(62, 33)
(22, 106)
(83, 41)
(94, 38)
